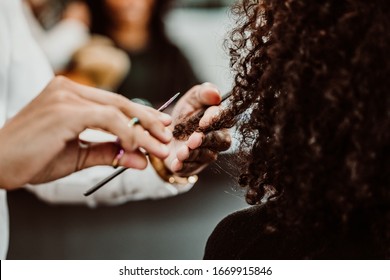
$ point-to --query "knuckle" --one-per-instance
(62, 96)
(149, 121)
(111, 113)
(106, 115)
(119, 100)
(61, 81)
(95, 111)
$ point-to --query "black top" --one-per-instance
(249, 234)
(157, 73)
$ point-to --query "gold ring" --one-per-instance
(133, 122)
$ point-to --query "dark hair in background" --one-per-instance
(315, 75)
(101, 20)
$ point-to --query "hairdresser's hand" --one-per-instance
(194, 154)
(40, 143)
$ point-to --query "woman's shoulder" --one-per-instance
(257, 233)
(241, 217)
(234, 232)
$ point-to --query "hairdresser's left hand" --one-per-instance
(191, 156)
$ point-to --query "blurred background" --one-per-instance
(187, 51)
(200, 29)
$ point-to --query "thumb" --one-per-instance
(196, 98)
(206, 95)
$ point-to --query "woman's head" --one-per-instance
(314, 75)
(135, 12)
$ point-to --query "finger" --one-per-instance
(206, 95)
(149, 143)
(130, 108)
(155, 127)
(219, 140)
(176, 165)
(183, 153)
(104, 154)
(136, 160)
(209, 116)
(99, 154)
(191, 160)
(151, 119)
(195, 140)
(196, 98)
(107, 118)
(131, 138)
(201, 156)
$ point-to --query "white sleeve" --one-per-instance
(60, 42)
(130, 185)
(4, 67)
(4, 62)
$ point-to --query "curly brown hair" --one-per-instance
(313, 79)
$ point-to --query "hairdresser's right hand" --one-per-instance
(40, 143)
(199, 150)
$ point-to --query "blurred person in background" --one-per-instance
(62, 30)
(158, 68)
(59, 36)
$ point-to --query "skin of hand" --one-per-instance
(199, 150)
(40, 143)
